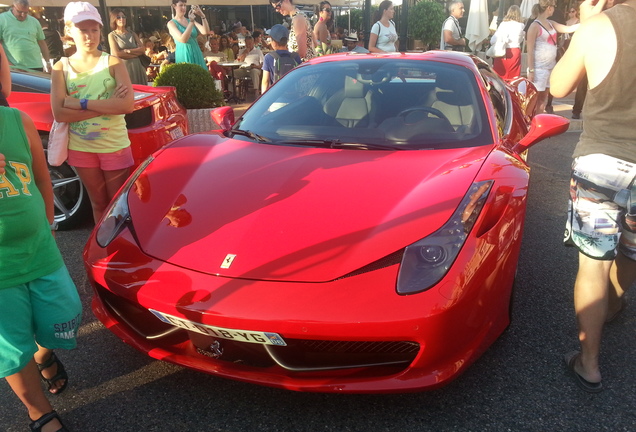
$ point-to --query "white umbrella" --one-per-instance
(526, 8)
(477, 25)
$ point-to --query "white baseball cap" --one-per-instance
(76, 12)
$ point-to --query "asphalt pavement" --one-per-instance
(519, 384)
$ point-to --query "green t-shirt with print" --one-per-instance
(20, 40)
(27, 248)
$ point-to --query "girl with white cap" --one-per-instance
(91, 90)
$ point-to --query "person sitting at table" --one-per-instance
(252, 59)
(225, 47)
(351, 45)
(213, 57)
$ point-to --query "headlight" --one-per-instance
(117, 215)
(426, 261)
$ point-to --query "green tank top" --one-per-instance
(104, 133)
(27, 248)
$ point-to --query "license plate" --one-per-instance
(264, 338)
(176, 133)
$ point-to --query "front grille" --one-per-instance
(309, 355)
(300, 355)
(339, 347)
(140, 319)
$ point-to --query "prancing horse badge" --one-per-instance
(227, 262)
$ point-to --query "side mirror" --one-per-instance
(223, 116)
(542, 126)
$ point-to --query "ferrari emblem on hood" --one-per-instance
(227, 262)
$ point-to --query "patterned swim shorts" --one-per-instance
(602, 207)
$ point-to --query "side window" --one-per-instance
(497, 92)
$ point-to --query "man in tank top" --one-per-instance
(602, 215)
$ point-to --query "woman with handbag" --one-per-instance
(383, 36)
(91, 91)
(510, 34)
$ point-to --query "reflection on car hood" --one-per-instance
(240, 209)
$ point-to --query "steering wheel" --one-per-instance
(434, 111)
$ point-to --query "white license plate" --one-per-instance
(264, 338)
(176, 133)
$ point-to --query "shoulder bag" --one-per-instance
(57, 149)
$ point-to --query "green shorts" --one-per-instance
(46, 310)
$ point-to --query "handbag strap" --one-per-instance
(65, 66)
(552, 38)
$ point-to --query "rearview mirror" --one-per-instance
(542, 126)
(223, 116)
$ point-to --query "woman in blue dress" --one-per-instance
(184, 31)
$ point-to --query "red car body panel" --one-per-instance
(277, 184)
(326, 275)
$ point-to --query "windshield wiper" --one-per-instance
(337, 144)
(250, 134)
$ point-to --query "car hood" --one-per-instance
(240, 209)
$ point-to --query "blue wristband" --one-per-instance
(84, 104)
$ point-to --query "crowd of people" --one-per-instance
(545, 38)
(92, 91)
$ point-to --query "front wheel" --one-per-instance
(71, 201)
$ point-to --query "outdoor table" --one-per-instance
(233, 66)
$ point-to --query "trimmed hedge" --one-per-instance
(195, 86)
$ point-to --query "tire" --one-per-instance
(72, 206)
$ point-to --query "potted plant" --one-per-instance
(425, 20)
(195, 91)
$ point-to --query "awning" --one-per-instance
(166, 3)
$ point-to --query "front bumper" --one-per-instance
(351, 335)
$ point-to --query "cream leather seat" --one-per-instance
(454, 101)
(351, 106)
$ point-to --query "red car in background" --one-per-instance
(356, 230)
(158, 119)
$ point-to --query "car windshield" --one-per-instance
(371, 103)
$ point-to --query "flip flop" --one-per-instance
(60, 375)
(590, 387)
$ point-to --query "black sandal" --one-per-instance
(60, 375)
(37, 425)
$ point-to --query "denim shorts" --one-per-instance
(46, 310)
(602, 214)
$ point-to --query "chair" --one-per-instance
(351, 106)
(454, 100)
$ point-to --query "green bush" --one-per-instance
(357, 16)
(195, 86)
(425, 21)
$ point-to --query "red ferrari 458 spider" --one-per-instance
(158, 119)
(356, 230)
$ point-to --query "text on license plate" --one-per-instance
(176, 133)
(265, 338)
